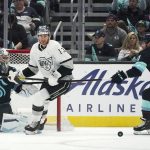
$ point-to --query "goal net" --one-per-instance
(56, 118)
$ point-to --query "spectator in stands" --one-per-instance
(39, 6)
(131, 15)
(130, 48)
(2, 5)
(113, 34)
(147, 13)
(54, 5)
(147, 7)
(27, 17)
(123, 26)
(1, 42)
(147, 41)
(141, 27)
(100, 51)
(122, 4)
(17, 35)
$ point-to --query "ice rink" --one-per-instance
(78, 139)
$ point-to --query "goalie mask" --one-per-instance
(4, 61)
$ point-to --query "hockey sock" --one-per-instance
(38, 104)
(46, 104)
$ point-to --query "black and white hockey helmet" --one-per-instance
(43, 30)
(4, 60)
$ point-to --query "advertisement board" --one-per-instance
(102, 103)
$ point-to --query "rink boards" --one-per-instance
(98, 103)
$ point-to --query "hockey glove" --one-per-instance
(16, 77)
(53, 79)
(11, 76)
(118, 77)
(20, 76)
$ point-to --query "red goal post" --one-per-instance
(22, 57)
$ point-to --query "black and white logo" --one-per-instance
(46, 63)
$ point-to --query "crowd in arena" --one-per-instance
(126, 29)
(24, 18)
(121, 39)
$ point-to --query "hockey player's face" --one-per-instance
(43, 39)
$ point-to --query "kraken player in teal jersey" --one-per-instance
(136, 71)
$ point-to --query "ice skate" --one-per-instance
(41, 125)
(142, 129)
(32, 128)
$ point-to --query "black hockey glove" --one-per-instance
(118, 77)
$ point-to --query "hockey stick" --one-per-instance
(32, 82)
(82, 80)
(36, 79)
(39, 81)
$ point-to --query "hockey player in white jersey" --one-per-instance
(54, 63)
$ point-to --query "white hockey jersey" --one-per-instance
(50, 59)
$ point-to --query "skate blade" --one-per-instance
(39, 131)
(30, 132)
(145, 132)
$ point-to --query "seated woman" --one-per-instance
(130, 48)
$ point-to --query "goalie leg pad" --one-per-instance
(13, 123)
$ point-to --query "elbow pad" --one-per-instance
(137, 69)
(64, 71)
(27, 72)
(133, 72)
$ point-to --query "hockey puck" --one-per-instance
(120, 133)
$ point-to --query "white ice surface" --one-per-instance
(78, 139)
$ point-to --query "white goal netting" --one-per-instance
(19, 56)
